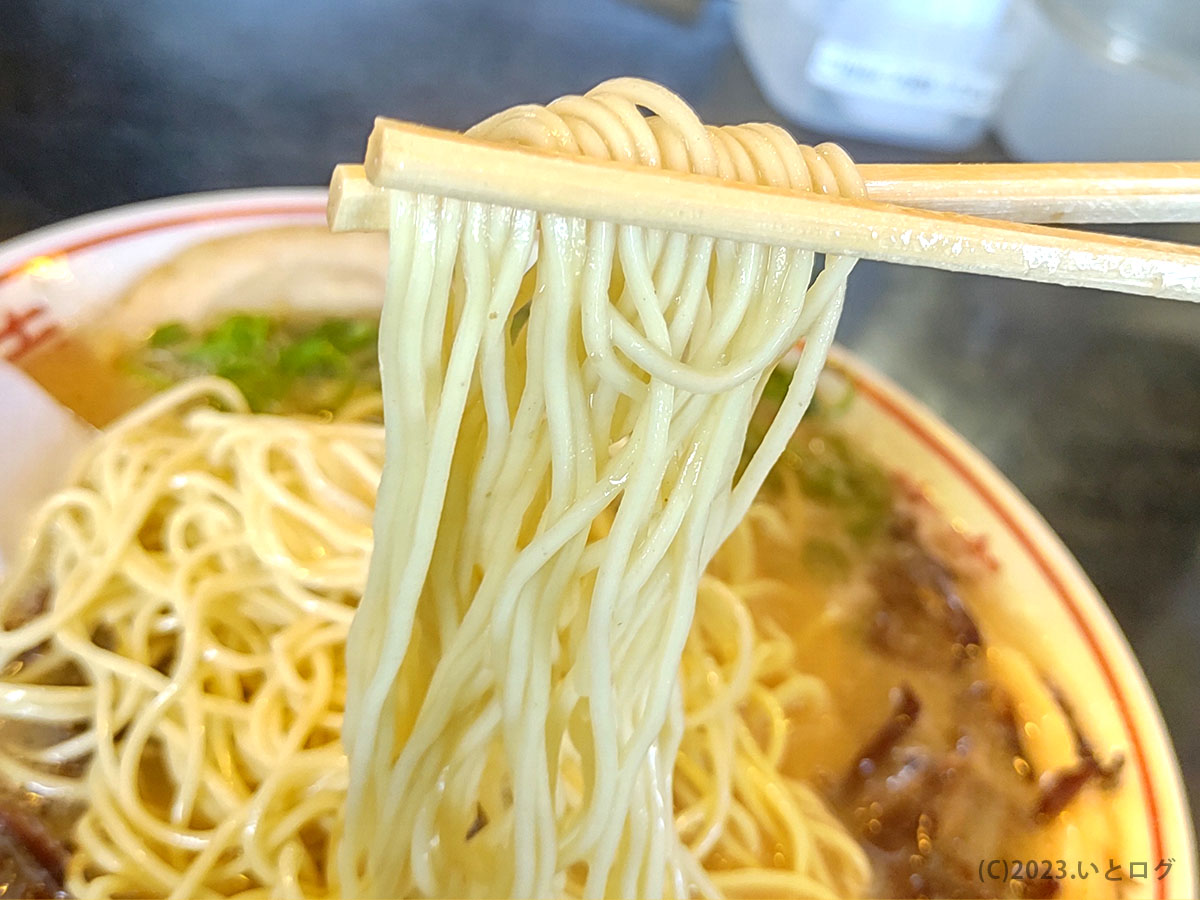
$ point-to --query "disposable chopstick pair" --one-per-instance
(416, 158)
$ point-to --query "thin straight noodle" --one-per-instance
(674, 400)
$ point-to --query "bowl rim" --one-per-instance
(1155, 762)
(1153, 753)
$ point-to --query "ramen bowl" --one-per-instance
(55, 278)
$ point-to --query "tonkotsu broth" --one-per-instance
(74, 371)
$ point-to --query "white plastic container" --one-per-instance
(1110, 81)
(922, 73)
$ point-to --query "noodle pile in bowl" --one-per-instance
(206, 565)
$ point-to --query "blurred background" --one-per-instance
(1088, 402)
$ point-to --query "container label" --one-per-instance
(862, 72)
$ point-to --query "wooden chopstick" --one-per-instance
(1047, 193)
(416, 158)
(354, 203)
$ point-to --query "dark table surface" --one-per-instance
(1087, 401)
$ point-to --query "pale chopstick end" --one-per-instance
(354, 203)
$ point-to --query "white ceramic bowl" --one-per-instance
(55, 276)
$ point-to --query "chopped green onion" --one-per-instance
(313, 356)
(519, 318)
(349, 335)
(169, 335)
(777, 386)
(280, 366)
(835, 474)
